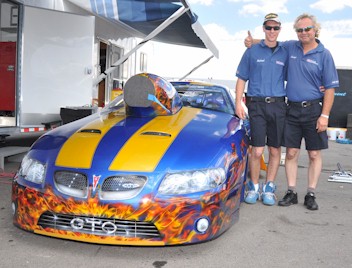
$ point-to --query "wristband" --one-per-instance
(324, 115)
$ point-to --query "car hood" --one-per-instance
(190, 139)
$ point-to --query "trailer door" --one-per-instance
(57, 63)
(8, 48)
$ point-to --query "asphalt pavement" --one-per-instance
(264, 236)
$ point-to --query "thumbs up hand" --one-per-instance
(248, 41)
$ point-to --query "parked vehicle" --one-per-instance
(163, 164)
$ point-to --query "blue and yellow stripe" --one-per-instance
(122, 141)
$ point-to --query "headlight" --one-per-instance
(191, 182)
(32, 170)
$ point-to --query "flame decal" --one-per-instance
(174, 217)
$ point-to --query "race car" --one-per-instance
(163, 164)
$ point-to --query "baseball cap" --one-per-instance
(273, 17)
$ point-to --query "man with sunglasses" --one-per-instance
(310, 67)
(263, 66)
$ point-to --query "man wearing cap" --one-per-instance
(263, 66)
(310, 67)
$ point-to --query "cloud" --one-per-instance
(184, 59)
(328, 6)
(201, 2)
(231, 49)
(337, 28)
(256, 7)
(218, 33)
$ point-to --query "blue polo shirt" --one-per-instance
(264, 69)
(306, 73)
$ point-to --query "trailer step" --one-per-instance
(52, 124)
(10, 151)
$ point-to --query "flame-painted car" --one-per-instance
(162, 164)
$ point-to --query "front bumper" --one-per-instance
(149, 223)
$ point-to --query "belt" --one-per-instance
(267, 99)
(304, 104)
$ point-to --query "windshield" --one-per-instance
(201, 96)
(205, 97)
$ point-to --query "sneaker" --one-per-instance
(309, 201)
(268, 196)
(289, 199)
(252, 195)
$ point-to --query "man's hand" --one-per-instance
(322, 124)
(248, 42)
(240, 111)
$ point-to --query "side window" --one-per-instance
(215, 101)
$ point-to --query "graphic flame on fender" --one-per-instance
(174, 218)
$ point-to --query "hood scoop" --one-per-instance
(156, 133)
(95, 131)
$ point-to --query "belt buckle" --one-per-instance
(267, 99)
(304, 104)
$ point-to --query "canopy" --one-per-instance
(144, 16)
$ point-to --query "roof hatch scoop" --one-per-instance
(96, 131)
(150, 95)
(156, 133)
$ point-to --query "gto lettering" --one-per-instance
(77, 223)
(94, 224)
(109, 227)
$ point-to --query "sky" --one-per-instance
(228, 21)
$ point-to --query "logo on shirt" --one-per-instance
(293, 57)
(260, 60)
(312, 61)
(280, 63)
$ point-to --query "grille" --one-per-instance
(98, 225)
(71, 183)
(113, 188)
(122, 187)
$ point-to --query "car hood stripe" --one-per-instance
(79, 149)
(144, 152)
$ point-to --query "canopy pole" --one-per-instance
(157, 30)
(195, 68)
(200, 32)
(185, 4)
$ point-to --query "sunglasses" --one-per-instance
(268, 28)
(307, 29)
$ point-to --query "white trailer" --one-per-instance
(57, 54)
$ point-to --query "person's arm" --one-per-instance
(240, 85)
(329, 95)
(249, 41)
